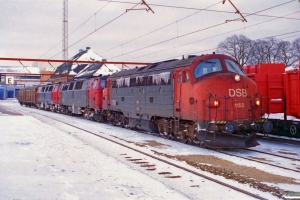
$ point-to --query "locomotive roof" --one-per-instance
(169, 65)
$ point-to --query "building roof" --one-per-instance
(19, 69)
(86, 70)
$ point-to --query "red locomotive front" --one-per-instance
(222, 100)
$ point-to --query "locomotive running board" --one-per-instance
(227, 140)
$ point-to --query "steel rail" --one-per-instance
(254, 160)
(278, 140)
(271, 154)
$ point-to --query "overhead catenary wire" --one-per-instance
(109, 1)
(205, 9)
(216, 36)
(161, 27)
(161, 42)
(213, 49)
(76, 29)
(151, 5)
(190, 8)
(97, 29)
(190, 33)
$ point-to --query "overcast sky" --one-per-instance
(33, 28)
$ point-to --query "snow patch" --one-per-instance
(157, 78)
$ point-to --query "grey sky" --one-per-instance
(33, 28)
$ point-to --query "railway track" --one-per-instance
(272, 154)
(149, 167)
(278, 140)
(259, 161)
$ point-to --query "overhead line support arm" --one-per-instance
(71, 61)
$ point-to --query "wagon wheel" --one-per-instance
(184, 139)
(125, 122)
(170, 135)
(160, 129)
(112, 119)
(293, 130)
(92, 114)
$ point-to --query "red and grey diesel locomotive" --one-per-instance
(204, 99)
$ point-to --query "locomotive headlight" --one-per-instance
(213, 104)
(237, 78)
(216, 103)
(257, 102)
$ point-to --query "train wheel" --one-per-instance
(161, 129)
(125, 122)
(184, 139)
(189, 141)
(202, 145)
(293, 130)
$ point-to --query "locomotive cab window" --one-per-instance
(78, 85)
(207, 67)
(65, 87)
(71, 86)
(234, 67)
(185, 77)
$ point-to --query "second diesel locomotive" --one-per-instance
(202, 99)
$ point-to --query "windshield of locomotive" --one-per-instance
(207, 67)
(234, 67)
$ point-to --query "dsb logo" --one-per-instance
(237, 92)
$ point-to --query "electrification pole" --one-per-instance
(65, 31)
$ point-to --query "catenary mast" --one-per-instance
(65, 31)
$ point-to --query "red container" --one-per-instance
(266, 68)
(270, 79)
(293, 95)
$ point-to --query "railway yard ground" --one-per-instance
(46, 155)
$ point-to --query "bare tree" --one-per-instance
(239, 47)
(296, 49)
(259, 52)
(269, 50)
(286, 53)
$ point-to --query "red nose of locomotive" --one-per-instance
(228, 106)
(230, 97)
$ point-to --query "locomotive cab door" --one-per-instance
(107, 95)
(177, 93)
(95, 94)
(184, 100)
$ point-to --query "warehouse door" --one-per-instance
(10, 94)
(1, 94)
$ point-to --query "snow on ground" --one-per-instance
(41, 161)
